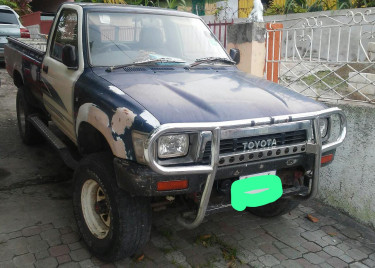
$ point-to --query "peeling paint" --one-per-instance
(119, 147)
(150, 119)
(116, 90)
(123, 118)
(91, 114)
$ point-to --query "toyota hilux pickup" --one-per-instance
(157, 109)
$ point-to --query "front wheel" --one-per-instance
(113, 224)
(279, 207)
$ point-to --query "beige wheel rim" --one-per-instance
(95, 208)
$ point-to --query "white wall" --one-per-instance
(349, 182)
(230, 9)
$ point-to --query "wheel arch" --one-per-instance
(17, 78)
(91, 120)
(91, 140)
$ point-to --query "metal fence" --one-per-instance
(219, 28)
(325, 57)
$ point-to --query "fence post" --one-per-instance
(274, 38)
(249, 38)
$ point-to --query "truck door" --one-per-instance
(59, 80)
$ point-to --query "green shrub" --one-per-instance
(9, 3)
(301, 6)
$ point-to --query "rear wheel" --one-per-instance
(279, 207)
(29, 134)
(113, 224)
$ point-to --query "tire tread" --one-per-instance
(134, 212)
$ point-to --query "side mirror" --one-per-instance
(234, 53)
(69, 57)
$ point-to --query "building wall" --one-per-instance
(349, 182)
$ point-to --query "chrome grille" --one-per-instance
(235, 146)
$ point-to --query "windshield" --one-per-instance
(123, 38)
(7, 17)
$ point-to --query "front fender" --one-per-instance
(112, 129)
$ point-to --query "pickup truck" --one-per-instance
(157, 109)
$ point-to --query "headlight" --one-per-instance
(173, 145)
(323, 125)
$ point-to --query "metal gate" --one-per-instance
(219, 28)
(325, 57)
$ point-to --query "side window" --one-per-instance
(66, 33)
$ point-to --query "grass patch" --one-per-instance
(206, 240)
(166, 233)
(323, 78)
(229, 253)
(332, 80)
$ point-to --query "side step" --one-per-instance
(54, 141)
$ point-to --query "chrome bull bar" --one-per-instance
(215, 128)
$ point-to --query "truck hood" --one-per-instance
(223, 94)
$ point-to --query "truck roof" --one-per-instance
(131, 9)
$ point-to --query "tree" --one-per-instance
(103, 1)
(8, 3)
(20, 6)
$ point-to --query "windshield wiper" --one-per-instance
(211, 59)
(145, 62)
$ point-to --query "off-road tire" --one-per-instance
(29, 134)
(279, 207)
(130, 220)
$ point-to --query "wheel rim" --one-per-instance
(95, 209)
(21, 115)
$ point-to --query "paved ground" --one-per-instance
(37, 228)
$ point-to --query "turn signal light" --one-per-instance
(327, 158)
(172, 185)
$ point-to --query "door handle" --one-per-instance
(45, 69)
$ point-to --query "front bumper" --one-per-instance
(140, 180)
(314, 147)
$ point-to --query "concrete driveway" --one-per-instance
(37, 227)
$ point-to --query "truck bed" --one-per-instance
(39, 44)
(24, 57)
(34, 48)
